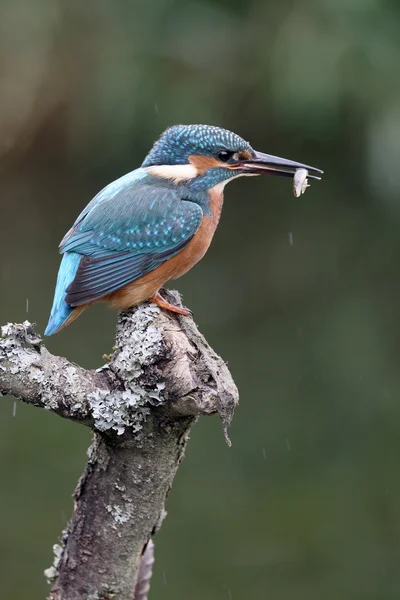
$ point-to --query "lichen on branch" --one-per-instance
(161, 377)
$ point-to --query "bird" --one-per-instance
(156, 222)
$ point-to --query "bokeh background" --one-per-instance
(300, 296)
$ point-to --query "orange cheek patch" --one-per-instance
(245, 155)
(203, 163)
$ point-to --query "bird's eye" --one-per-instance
(225, 155)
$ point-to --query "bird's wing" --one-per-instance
(125, 235)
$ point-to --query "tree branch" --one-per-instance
(141, 405)
(145, 573)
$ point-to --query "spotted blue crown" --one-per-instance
(180, 141)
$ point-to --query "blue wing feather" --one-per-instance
(130, 228)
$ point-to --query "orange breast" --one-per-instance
(175, 267)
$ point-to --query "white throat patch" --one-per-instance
(175, 173)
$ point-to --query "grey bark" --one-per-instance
(141, 405)
(145, 573)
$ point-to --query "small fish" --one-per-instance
(300, 182)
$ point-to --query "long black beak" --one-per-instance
(274, 165)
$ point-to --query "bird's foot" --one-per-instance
(180, 310)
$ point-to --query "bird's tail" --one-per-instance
(62, 312)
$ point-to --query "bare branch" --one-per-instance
(145, 573)
(141, 405)
(29, 372)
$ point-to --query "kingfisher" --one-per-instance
(155, 223)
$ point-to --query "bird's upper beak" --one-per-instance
(268, 164)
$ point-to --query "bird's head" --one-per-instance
(203, 156)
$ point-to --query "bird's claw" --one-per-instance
(180, 310)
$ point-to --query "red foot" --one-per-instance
(180, 310)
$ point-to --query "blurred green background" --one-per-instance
(306, 504)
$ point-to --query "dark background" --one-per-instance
(306, 504)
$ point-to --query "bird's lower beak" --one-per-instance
(274, 165)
